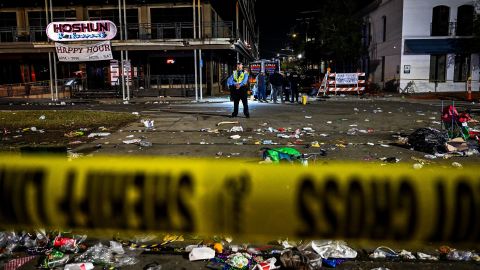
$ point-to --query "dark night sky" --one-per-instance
(275, 21)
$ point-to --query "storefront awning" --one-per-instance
(437, 46)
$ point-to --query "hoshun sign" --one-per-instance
(81, 30)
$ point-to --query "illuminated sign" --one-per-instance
(170, 61)
(81, 30)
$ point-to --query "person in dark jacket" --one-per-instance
(238, 84)
(261, 86)
(276, 79)
(294, 82)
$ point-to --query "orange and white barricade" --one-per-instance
(346, 82)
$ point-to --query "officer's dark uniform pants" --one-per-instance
(294, 94)
(237, 95)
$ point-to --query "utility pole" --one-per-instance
(200, 25)
(49, 54)
(54, 58)
(195, 50)
(120, 66)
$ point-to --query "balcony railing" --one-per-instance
(142, 31)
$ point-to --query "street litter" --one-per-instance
(352, 131)
(227, 123)
(384, 252)
(268, 264)
(236, 129)
(308, 117)
(457, 145)
(424, 256)
(239, 260)
(290, 155)
(201, 253)
(428, 140)
(390, 159)
(79, 266)
(457, 165)
(98, 134)
(332, 249)
(132, 141)
(42, 117)
(417, 166)
(148, 123)
(145, 144)
(309, 129)
(235, 137)
(72, 134)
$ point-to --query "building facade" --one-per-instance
(427, 42)
(161, 38)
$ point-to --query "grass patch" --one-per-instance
(63, 120)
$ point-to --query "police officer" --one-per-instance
(238, 84)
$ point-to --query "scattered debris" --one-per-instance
(227, 123)
(98, 134)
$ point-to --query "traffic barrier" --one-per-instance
(350, 82)
(347, 201)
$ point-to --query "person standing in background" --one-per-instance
(238, 85)
(261, 86)
(294, 81)
(276, 79)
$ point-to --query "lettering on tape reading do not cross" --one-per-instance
(398, 207)
(353, 201)
(99, 199)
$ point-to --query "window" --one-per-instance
(37, 23)
(8, 23)
(64, 16)
(462, 67)
(383, 68)
(465, 20)
(384, 23)
(112, 15)
(440, 21)
(438, 68)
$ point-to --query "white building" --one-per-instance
(424, 41)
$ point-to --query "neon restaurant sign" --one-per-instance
(81, 30)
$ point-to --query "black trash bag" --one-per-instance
(428, 140)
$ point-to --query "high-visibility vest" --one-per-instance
(238, 78)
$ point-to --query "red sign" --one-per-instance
(255, 68)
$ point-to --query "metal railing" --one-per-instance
(142, 31)
(178, 30)
(32, 88)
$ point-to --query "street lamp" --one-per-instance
(299, 56)
(294, 35)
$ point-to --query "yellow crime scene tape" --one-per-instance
(346, 201)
